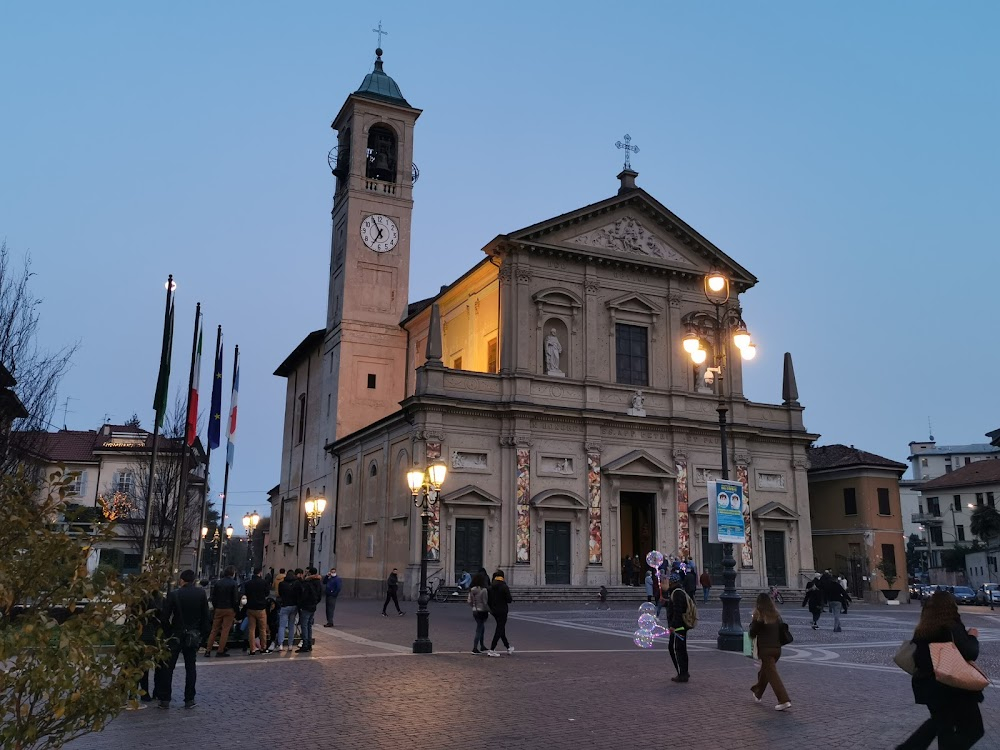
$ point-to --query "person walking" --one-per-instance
(955, 719)
(149, 636)
(277, 580)
(288, 599)
(185, 622)
(833, 595)
(310, 594)
(690, 580)
(332, 585)
(814, 601)
(766, 626)
(499, 602)
(479, 601)
(225, 601)
(256, 593)
(627, 570)
(676, 607)
(649, 585)
(391, 589)
(706, 585)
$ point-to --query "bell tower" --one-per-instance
(365, 348)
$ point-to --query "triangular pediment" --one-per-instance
(774, 510)
(634, 302)
(639, 463)
(470, 494)
(633, 227)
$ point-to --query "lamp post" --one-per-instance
(225, 547)
(425, 486)
(200, 567)
(250, 521)
(702, 327)
(314, 509)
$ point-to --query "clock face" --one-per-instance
(379, 233)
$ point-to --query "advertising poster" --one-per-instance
(725, 512)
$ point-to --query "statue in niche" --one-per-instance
(703, 379)
(638, 405)
(553, 350)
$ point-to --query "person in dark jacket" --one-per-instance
(185, 622)
(150, 636)
(628, 570)
(676, 607)
(690, 580)
(499, 600)
(310, 594)
(288, 598)
(331, 587)
(391, 590)
(955, 719)
(256, 593)
(225, 601)
(814, 601)
(766, 626)
(271, 611)
(833, 596)
(706, 585)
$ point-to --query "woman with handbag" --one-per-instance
(955, 719)
(771, 633)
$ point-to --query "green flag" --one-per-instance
(163, 379)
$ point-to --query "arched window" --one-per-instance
(381, 154)
(373, 470)
(348, 478)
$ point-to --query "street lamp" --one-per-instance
(314, 509)
(250, 521)
(702, 327)
(425, 486)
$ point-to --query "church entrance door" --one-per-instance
(557, 552)
(468, 545)
(774, 554)
(638, 524)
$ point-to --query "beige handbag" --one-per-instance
(951, 668)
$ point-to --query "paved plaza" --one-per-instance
(575, 681)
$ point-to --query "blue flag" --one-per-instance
(215, 421)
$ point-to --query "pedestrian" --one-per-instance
(277, 580)
(955, 719)
(676, 607)
(690, 580)
(662, 586)
(465, 581)
(391, 589)
(628, 569)
(649, 585)
(479, 601)
(273, 618)
(185, 622)
(310, 593)
(814, 601)
(152, 605)
(499, 602)
(288, 600)
(269, 578)
(332, 586)
(256, 593)
(637, 570)
(706, 585)
(602, 597)
(766, 626)
(847, 600)
(225, 601)
(833, 595)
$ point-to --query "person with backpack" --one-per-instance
(310, 593)
(680, 612)
(479, 601)
(814, 601)
(332, 585)
(769, 630)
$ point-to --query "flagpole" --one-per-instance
(165, 352)
(229, 447)
(208, 463)
(175, 555)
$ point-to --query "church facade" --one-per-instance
(550, 379)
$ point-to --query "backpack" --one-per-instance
(690, 615)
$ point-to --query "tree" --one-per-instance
(69, 643)
(914, 556)
(985, 523)
(953, 559)
(38, 372)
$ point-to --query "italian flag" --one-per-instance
(192, 420)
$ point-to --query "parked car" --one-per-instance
(964, 595)
(914, 589)
(988, 591)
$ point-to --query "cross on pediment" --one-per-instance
(629, 149)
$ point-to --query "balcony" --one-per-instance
(927, 519)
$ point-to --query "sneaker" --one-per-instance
(384, 614)
(476, 651)
(190, 704)
(328, 625)
(267, 651)
(401, 613)
(301, 649)
(491, 652)
(252, 653)
(279, 649)
(815, 627)
(510, 650)
(755, 698)
(783, 706)
(208, 653)
(163, 704)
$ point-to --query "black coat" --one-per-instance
(676, 607)
(499, 597)
(813, 599)
(288, 592)
(186, 608)
(926, 689)
(256, 591)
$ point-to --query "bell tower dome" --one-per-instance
(369, 253)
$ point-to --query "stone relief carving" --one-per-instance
(553, 349)
(504, 273)
(562, 465)
(767, 480)
(675, 300)
(638, 405)
(430, 435)
(627, 235)
(704, 476)
(470, 460)
(592, 286)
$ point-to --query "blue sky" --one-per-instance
(846, 153)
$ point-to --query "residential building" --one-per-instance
(549, 378)
(856, 516)
(928, 460)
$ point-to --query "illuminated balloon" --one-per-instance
(646, 608)
(643, 639)
(647, 621)
(654, 559)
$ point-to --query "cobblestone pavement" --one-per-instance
(575, 681)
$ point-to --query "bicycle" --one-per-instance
(776, 595)
(435, 593)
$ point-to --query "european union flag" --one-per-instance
(215, 418)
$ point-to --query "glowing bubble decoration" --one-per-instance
(654, 559)
(643, 639)
(647, 608)
(647, 621)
